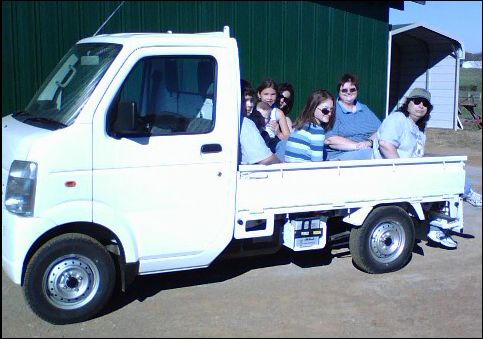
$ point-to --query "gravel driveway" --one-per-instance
(438, 294)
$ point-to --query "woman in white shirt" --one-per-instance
(401, 135)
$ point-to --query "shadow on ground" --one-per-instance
(147, 286)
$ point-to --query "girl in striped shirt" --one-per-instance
(306, 142)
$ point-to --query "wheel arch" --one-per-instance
(358, 217)
(98, 232)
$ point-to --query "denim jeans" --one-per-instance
(361, 154)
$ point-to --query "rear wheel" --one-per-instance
(69, 279)
(385, 241)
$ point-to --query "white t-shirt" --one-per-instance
(403, 133)
(253, 148)
(273, 116)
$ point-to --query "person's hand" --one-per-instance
(363, 144)
(274, 126)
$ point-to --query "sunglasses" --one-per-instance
(345, 90)
(325, 111)
(417, 101)
(285, 99)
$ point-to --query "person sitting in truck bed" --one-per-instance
(248, 96)
(306, 142)
(285, 100)
(261, 117)
(401, 135)
(267, 92)
(355, 124)
(253, 147)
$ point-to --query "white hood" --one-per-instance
(17, 139)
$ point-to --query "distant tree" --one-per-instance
(472, 56)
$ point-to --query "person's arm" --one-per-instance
(388, 150)
(253, 148)
(343, 144)
(283, 132)
(270, 160)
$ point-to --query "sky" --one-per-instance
(460, 20)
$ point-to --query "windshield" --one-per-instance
(61, 98)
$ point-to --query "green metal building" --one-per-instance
(309, 44)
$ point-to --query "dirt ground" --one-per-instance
(461, 142)
(438, 294)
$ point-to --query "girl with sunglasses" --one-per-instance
(285, 101)
(306, 143)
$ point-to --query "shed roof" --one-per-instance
(429, 35)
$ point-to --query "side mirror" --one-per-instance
(127, 123)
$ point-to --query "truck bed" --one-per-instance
(263, 191)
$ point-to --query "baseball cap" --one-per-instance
(419, 93)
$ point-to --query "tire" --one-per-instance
(69, 279)
(385, 241)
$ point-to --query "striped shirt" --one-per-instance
(306, 144)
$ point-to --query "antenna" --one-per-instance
(109, 18)
(226, 31)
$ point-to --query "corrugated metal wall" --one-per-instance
(309, 44)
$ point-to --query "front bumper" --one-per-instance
(18, 236)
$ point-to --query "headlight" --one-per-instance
(20, 192)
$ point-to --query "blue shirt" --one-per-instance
(306, 144)
(356, 126)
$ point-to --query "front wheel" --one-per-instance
(384, 242)
(69, 279)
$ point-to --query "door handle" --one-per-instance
(211, 148)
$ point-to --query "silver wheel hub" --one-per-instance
(71, 282)
(387, 241)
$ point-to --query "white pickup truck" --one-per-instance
(126, 162)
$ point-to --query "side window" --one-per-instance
(166, 96)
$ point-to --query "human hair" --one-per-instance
(348, 77)
(421, 123)
(267, 83)
(307, 114)
(246, 88)
(258, 119)
(286, 87)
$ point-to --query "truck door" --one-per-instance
(164, 170)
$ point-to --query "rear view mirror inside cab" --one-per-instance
(89, 60)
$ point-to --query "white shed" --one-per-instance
(420, 56)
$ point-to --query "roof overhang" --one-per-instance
(429, 35)
(396, 5)
(400, 4)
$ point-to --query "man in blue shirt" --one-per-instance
(355, 124)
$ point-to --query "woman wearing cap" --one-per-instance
(401, 135)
